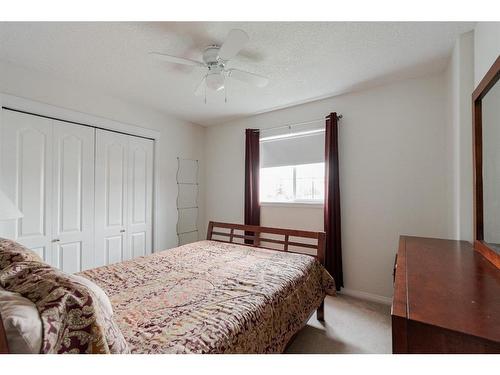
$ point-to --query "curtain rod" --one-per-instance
(296, 124)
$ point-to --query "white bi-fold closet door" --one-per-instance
(123, 198)
(48, 170)
(86, 194)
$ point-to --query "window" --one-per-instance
(292, 167)
(303, 183)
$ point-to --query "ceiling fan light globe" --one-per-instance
(215, 81)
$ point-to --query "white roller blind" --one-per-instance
(300, 149)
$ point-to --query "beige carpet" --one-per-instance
(351, 326)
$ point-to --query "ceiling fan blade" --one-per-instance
(177, 60)
(235, 41)
(201, 87)
(252, 78)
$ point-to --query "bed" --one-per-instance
(246, 289)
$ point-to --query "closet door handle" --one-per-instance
(122, 231)
(56, 240)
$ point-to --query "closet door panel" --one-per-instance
(140, 182)
(27, 178)
(138, 244)
(69, 256)
(70, 168)
(115, 186)
(41, 251)
(114, 249)
(111, 173)
(32, 181)
(73, 212)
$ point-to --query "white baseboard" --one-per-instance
(366, 296)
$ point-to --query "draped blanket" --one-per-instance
(213, 297)
(72, 320)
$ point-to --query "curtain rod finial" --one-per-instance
(338, 117)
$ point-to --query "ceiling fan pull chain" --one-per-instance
(225, 90)
(205, 94)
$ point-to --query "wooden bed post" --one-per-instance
(210, 229)
(321, 247)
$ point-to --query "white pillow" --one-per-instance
(22, 323)
(102, 297)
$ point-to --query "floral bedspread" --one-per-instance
(213, 297)
(72, 321)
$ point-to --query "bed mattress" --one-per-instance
(213, 297)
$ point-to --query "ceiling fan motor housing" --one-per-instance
(211, 57)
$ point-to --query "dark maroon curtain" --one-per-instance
(333, 253)
(252, 169)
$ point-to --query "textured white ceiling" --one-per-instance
(304, 60)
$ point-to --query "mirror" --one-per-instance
(486, 143)
(491, 167)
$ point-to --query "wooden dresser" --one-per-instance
(446, 298)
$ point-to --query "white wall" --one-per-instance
(178, 138)
(459, 85)
(394, 171)
(486, 48)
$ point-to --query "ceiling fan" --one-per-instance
(215, 59)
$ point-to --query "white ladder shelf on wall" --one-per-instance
(187, 200)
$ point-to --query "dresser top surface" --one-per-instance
(447, 284)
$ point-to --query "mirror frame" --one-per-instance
(488, 81)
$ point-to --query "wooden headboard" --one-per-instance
(254, 236)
